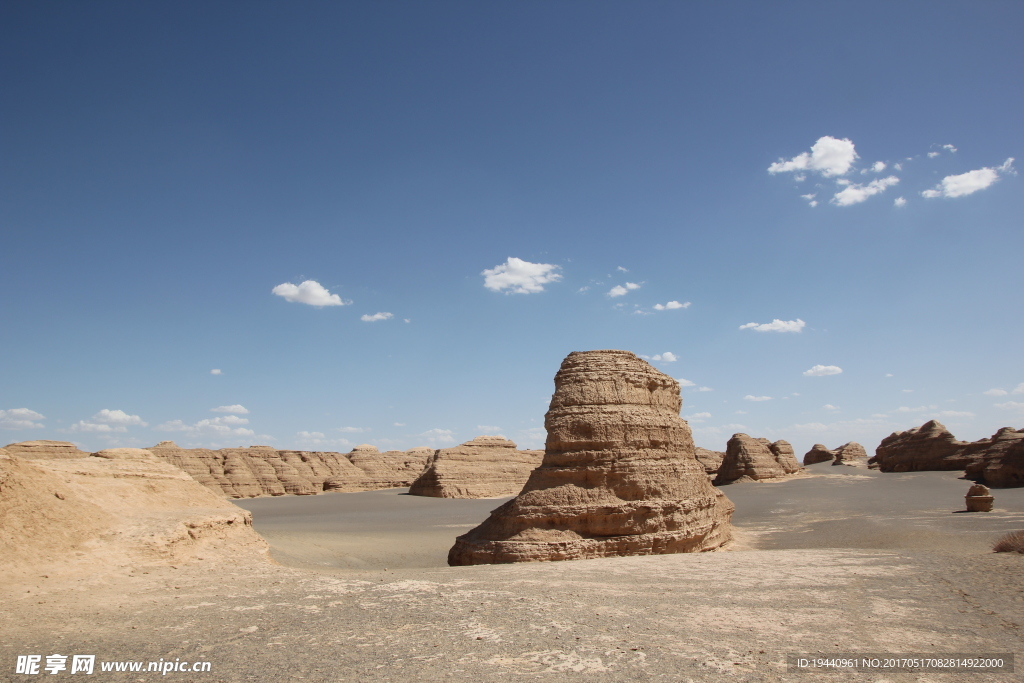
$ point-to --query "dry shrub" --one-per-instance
(1012, 542)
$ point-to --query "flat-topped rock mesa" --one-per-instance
(851, 454)
(391, 469)
(122, 508)
(263, 471)
(619, 475)
(750, 459)
(45, 450)
(486, 467)
(818, 453)
(711, 460)
(997, 461)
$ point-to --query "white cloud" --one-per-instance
(620, 290)
(229, 425)
(216, 371)
(437, 437)
(899, 202)
(878, 166)
(829, 156)
(667, 357)
(810, 198)
(888, 374)
(520, 277)
(704, 389)
(697, 417)
(671, 305)
(776, 326)
(1011, 405)
(970, 182)
(624, 270)
(406, 320)
(118, 417)
(829, 406)
(855, 193)
(995, 392)
(320, 440)
(93, 427)
(907, 391)
(686, 383)
(1019, 389)
(748, 397)
(490, 429)
(352, 430)
(951, 148)
(822, 371)
(237, 409)
(375, 317)
(932, 155)
(310, 292)
(399, 424)
(20, 418)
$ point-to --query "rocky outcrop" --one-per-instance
(45, 450)
(391, 469)
(486, 467)
(818, 453)
(711, 460)
(997, 461)
(979, 499)
(262, 470)
(90, 516)
(619, 475)
(750, 459)
(851, 454)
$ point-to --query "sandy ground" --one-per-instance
(844, 561)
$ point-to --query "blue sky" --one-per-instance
(473, 190)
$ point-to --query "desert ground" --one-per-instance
(843, 560)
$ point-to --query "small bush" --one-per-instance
(1012, 542)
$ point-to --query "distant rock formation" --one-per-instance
(979, 499)
(262, 470)
(997, 461)
(45, 450)
(711, 460)
(391, 469)
(486, 467)
(91, 516)
(818, 453)
(619, 475)
(852, 454)
(750, 459)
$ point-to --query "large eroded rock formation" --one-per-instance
(45, 450)
(486, 467)
(997, 461)
(619, 476)
(750, 459)
(818, 453)
(852, 454)
(711, 460)
(391, 469)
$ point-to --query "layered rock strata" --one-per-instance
(391, 469)
(711, 460)
(619, 474)
(997, 461)
(851, 454)
(90, 516)
(262, 470)
(45, 450)
(979, 499)
(818, 453)
(750, 459)
(486, 467)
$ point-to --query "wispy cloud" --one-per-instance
(970, 182)
(216, 371)
(375, 317)
(517, 276)
(108, 421)
(438, 437)
(749, 397)
(20, 418)
(229, 425)
(310, 292)
(236, 409)
(776, 326)
(671, 306)
(823, 371)
(667, 357)
(855, 193)
(621, 290)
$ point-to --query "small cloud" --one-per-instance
(822, 371)
(237, 409)
(667, 357)
(932, 155)
(490, 429)
(829, 406)
(829, 156)
(899, 202)
(621, 290)
(375, 317)
(888, 374)
(20, 418)
(216, 371)
(686, 383)
(810, 198)
(310, 292)
(951, 148)
(970, 182)
(704, 389)
(436, 437)
(776, 326)
(406, 320)
(1010, 405)
(748, 397)
(621, 269)
(996, 392)
(582, 289)
(878, 166)
(671, 306)
(229, 425)
(1019, 389)
(399, 424)
(855, 193)
(520, 277)
(352, 430)
(697, 417)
